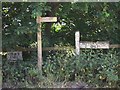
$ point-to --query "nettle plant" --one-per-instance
(96, 67)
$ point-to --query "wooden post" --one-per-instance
(39, 37)
(39, 43)
(77, 42)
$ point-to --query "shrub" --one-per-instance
(96, 67)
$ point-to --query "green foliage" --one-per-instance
(96, 67)
(39, 9)
(19, 23)
(95, 21)
(17, 73)
(100, 66)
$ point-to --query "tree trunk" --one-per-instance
(54, 7)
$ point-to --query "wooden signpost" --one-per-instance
(13, 56)
(87, 44)
(46, 19)
(39, 20)
(94, 45)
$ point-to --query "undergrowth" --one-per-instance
(98, 68)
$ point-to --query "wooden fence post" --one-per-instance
(77, 42)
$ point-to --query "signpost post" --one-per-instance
(39, 20)
(77, 42)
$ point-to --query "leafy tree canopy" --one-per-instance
(95, 21)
